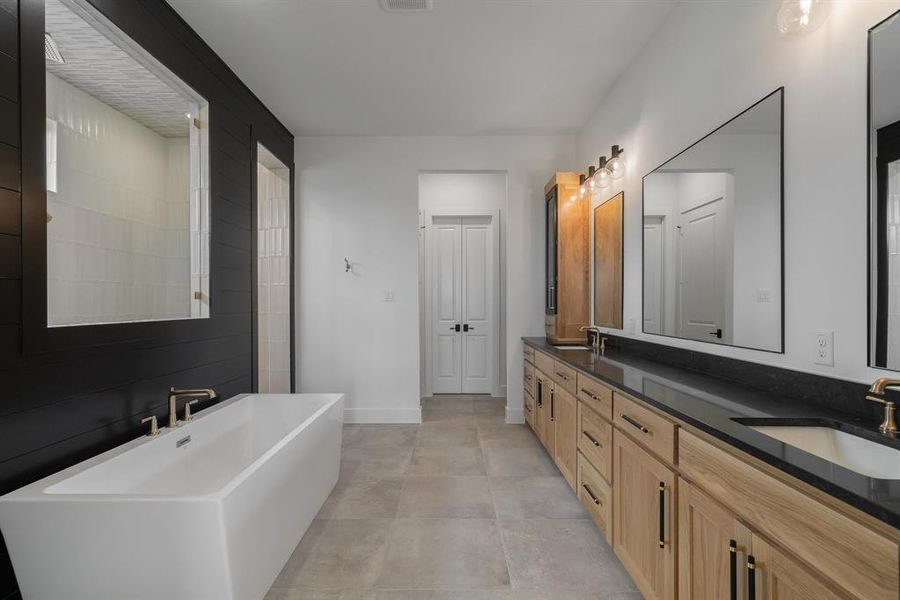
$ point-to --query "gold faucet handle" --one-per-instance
(879, 399)
(154, 425)
(187, 410)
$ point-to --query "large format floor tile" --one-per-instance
(462, 507)
(444, 553)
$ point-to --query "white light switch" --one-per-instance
(824, 348)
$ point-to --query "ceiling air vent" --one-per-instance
(51, 50)
(405, 5)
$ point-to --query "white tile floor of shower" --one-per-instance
(463, 506)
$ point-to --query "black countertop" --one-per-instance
(712, 405)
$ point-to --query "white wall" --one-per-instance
(358, 198)
(708, 62)
(455, 192)
(118, 246)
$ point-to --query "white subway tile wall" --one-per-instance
(273, 276)
(120, 229)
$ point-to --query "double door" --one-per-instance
(722, 559)
(463, 303)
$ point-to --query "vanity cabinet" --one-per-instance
(567, 300)
(643, 512)
(672, 499)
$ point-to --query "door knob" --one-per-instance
(467, 328)
(717, 333)
(455, 327)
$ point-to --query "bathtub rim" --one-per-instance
(36, 491)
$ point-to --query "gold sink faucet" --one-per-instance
(876, 394)
(175, 394)
(599, 340)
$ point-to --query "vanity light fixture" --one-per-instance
(797, 17)
(616, 165)
(602, 175)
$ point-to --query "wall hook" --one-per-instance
(347, 266)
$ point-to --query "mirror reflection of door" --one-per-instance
(704, 257)
(273, 273)
(462, 304)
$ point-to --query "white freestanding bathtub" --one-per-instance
(210, 510)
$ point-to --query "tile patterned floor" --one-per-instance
(462, 507)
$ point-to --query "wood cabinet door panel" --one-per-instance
(712, 548)
(779, 577)
(596, 496)
(566, 434)
(643, 531)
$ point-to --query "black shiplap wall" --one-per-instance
(59, 408)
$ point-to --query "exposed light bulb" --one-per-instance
(616, 165)
(797, 17)
(603, 177)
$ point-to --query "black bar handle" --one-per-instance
(552, 404)
(592, 439)
(634, 423)
(540, 393)
(732, 559)
(591, 493)
(662, 514)
(590, 395)
(751, 578)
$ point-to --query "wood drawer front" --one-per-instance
(528, 381)
(529, 408)
(649, 429)
(596, 395)
(528, 353)
(862, 562)
(595, 440)
(564, 375)
(543, 363)
(595, 495)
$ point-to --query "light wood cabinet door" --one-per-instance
(776, 576)
(643, 529)
(565, 408)
(712, 548)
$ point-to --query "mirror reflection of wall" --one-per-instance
(712, 236)
(884, 173)
(127, 178)
(273, 273)
(608, 222)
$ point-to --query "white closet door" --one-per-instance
(477, 305)
(446, 304)
(704, 270)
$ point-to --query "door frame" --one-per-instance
(259, 137)
(664, 268)
(428, 284)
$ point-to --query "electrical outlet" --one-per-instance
(824, 348)
(763, 295)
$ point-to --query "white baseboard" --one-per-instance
(383, 415)
(515, 415)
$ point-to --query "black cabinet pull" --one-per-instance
(552, 405)
(592, 439)
(592, 494)
(751, 578)
(562, 375)
(590, 395)
(662, 514)
(732, 559)
(634, 423)
(540, 393)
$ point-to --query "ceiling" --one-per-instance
(103, 63)
(466, 67)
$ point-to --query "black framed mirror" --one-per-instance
(884, 193)
(713, 242)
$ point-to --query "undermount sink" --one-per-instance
(572, 347)
(850, 451)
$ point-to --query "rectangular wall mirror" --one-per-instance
(127, 178)
(608, 265)
(884, 194)
(712, 218)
